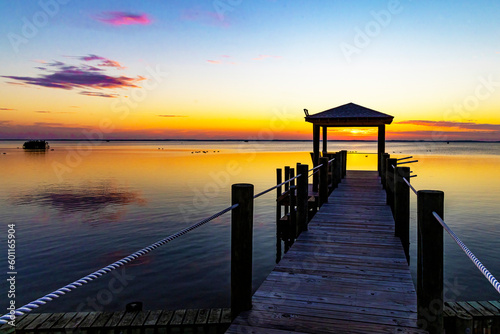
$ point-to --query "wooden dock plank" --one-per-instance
(77, 320)
(37, 321)
(346, 274)
(64, 320)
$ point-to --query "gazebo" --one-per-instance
(347, 115)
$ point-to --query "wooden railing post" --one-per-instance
(241, 248)
(344, 163)
(385, 156)
(389, 182)
(323, 181)
(279, 191)
(292, 226)
(302, 194)
(402, 208)
(287, 185)
(338, 167)
(315, 178)
(430, 261)
(279, 229)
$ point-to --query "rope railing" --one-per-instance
(409, 185)
(276, 186)
(471, 255)
(117, 264)
(317, 167)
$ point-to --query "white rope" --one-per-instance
(471, 255)
(96, 274)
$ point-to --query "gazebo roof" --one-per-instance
(350, 114)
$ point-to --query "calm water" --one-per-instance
(79, 207)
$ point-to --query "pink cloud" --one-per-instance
(451, 124)
(123, 18)
(104, 62)
(98, 94)
(214, 61)
(261, 57)
(61, 75)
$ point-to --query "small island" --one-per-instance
(36, 145)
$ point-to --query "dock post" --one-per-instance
(302, 194)
(323, 181)
(279, 228)
(334, 170)
(338, 167)
(389, 182)
(344, 163)
(402, 208)
(241, 248)
(292, 226)
(287, 185)
(385, 156)
(430, 261)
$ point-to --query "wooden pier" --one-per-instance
(347, 274)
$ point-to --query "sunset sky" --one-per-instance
(241, 69)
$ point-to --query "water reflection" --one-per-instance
(105, 199)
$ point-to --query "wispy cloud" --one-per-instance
(103, 62)
(262, 57)
(210, 18)
(7, 109)
(452, 124)
(172, 116)
(123, 18)
(224, 60)
(43, 111)
(58, 74)
(98, 94)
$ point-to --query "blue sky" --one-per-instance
(226, 62)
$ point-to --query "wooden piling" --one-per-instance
(302, 197)
(430, 260)
(402, 208)
(323, 181)
(385, 156)
(241, 248)
(344, 163)
(279, 229)
(292, 226)
(389, 182)
(338, 168)
(287, 185)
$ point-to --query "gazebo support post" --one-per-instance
(381, 146)
(315, 155)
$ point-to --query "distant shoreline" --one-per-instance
(275, 140)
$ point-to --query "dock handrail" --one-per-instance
(467, 251)
(277, 186)
(117, 264)
(396, 181)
